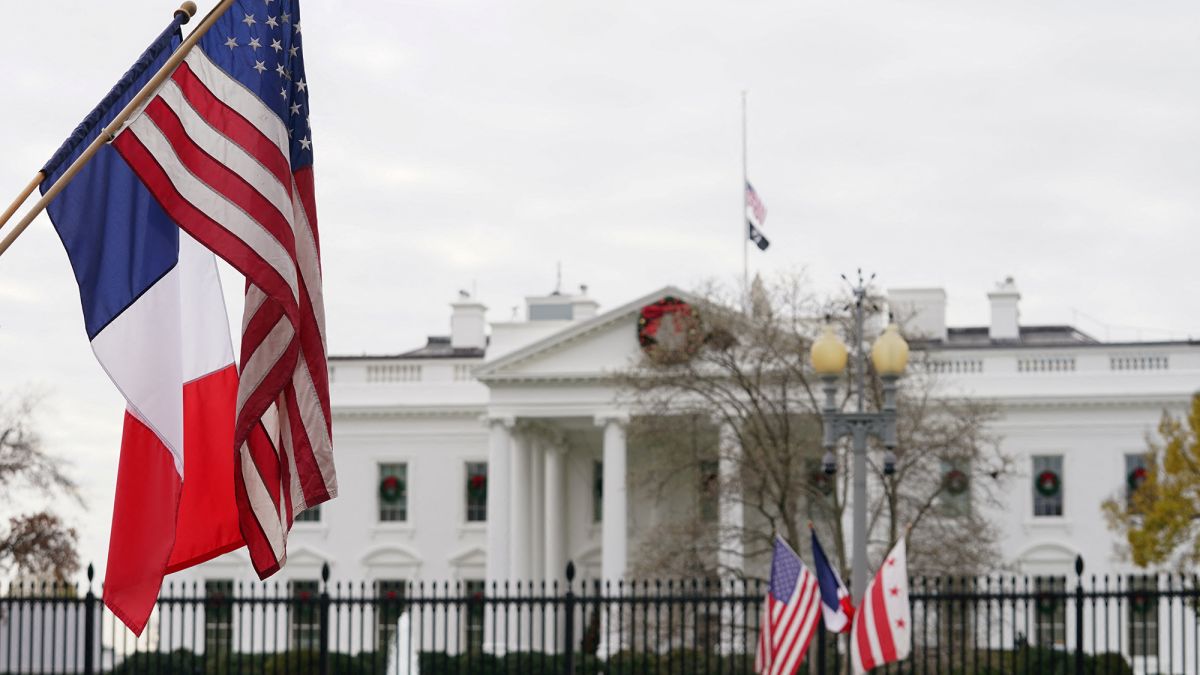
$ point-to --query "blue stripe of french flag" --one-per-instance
(836, 607)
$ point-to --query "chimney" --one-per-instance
(468, 323)
(922, 311)
(584, 307)
(1005, 324)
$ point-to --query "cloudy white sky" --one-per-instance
(470, 144)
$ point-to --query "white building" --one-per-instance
(528, 406)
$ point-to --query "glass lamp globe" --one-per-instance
(828, 354)
(890, 353)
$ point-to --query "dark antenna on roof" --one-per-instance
(558, 279)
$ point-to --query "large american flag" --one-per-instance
(789, 614)
(225, 148)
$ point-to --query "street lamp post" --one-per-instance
(889, 355)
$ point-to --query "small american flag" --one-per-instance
(756, 206)
(225, 148)
(789, 614)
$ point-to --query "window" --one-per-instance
(1050, 610)
(476, 492)
(709, 490)
(1143, 615)
(310, 515)
(474, 622)
(393, 492)
(306, 614)
(390, 594)
(218, 617)
(1047, 486)
(955, 498)
(597, 491)
(1135, 474)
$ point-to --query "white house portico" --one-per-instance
(500, 452)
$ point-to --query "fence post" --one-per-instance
(1078, 615)
(324, 649)
(821, 642)
(569, 625)
(89, 626)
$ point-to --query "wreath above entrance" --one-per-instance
(669, 330)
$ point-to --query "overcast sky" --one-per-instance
(475, 144)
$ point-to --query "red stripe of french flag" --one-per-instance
(164, 521)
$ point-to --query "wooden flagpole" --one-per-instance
(110, 131)
(16, 204)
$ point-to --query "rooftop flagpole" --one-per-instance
(109, 132)
(743, 227)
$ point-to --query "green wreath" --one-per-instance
(391, 489)
(956, 482)
(1135, 478)
(1139, 602)
(477, 485)
(822, 481)
(687, 322)
(1048, 483)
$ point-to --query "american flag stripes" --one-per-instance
(790, 614)
(882, 631)
(225, 148)
(756, 206)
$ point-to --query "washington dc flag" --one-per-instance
(882, 631)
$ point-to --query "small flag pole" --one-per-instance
(16, 204)
(742, 226)
(135, 104)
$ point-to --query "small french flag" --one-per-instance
(836, 607)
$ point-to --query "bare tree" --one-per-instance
(750, 375)
(39, 542)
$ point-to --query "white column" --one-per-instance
(519, 568)
(498, 491)
(614, 532)
(537, 510)
(731, 552)
(556, 516)
(731, 555)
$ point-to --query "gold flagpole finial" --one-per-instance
(188, 9)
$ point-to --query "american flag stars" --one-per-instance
(274, 52)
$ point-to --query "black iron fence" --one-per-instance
(990, 625)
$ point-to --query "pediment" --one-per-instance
(475, 556)
(391, 556)
(590, 349)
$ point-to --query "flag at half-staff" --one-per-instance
(882, 631)
(790, 612)
(155, 316)
(755, 219)
(226, 150)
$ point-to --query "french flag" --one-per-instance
(836, 606)
(155, 316)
